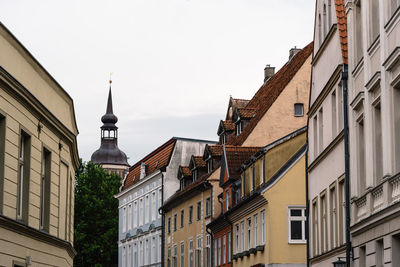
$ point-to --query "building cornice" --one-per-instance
(134, 186)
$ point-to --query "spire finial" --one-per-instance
(111, 78)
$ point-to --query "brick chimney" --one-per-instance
(268, 72)
(293, 52)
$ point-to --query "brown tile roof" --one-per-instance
(186, 171)
(342, 27)
(235, 103)
(235, 156)
(228, 125)
(216, 150)
(200, 163)
(246, 113)
(269, 92)
(157, 159)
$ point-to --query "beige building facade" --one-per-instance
(38, 159)
(374, 124)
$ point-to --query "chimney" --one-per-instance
(268, 72)
(293, 52)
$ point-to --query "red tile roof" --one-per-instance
(235, 156)
(269, 92)
(228, 125)
(216, 150)
(235, 103)
(157, 159)
(186, 171)
(342, 27)
(246, 113)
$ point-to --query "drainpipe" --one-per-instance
(161, 212)
(307, 209)
(346, 162)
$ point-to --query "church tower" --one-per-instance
(109, 156)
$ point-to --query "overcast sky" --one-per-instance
(175, 62)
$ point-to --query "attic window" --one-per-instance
(223, 139)
(143, 168)
(299, 110)
(209, 165)
(238, 128)
(194, 175)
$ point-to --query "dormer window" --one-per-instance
(194, 175)
(238, 128)
(209, 165)
(223, 139)
(182, 184)
(143, 168)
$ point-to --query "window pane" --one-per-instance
(295, 212)
(295, 230)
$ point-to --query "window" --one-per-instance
(146, 252)
(342, 211)
(208, 206)
(182, 218)
(169, 258)
(237, 238)
(190, 252)
(253, 178)
(175, 222)
(208, 251)
(135, 255)
(262, 227)
(358, 33)
(333, 217)
(393, 6)
(299, 110)
(324, 230)
(45, 191)
(199, 248)
(129, 256)
(2, 155)
(374, 20)
(153, 250)
(215, 251)
(223, 249)
(194, 175)
(182, 254)
(23, 176)
(315, 135)
(199, 211)
(153, 206)
(124, 256)
(263, 169)
(219, 251)
(340, 107)
(190, 214)
(395, 247)
(169, 225)
(315, 228)
(255, 230)
(129, 216)
(333, 105)
(135, 217)
(159, 200)
(141, 212)
(395, 123)
(124, 220)
(229, 247)
(320, 130)
(297, 225)
(242, 236)
(361, 155)
(226, 199)
(175, 257)
(378, 143)
(209, 165)
(325, 22)
(147, 209)
(238, 128)
(248, 233)
(379, 253)
(362, 256)
(319, 30)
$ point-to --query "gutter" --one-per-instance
(161, 212)
(307, 208)
(346, 162)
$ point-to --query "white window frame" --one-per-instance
(219, 251)
(224, 249)
(262, 228)
(229, 246)
(135, 219)
(301, 218)
(190, 259)
(237, 238)
(241, 236)
(255, 230)
(153, 206)
(129, 216)
(199, 248)
(147, 209)
(124, 219)
(182, 252)
(248, 230)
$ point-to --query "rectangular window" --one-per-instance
(129, 256)
(141, 213)
(361, 155)
(255, 231)
(45, 191)
(380, 262)
(124, 256)
(135, 217)
(262, 227)
(175, 257)
(229, 247)
(141, 253)
(320, 130)
(23, 176)
(182, 254)
(169, 225)
(299, 110)
(208, 251)
(159, 200)
(219, 251)
(358, 33)
(362, 257)
(340, 107)
(2, 155)
(135, 255)
(146, 252)
(153, 250)
(175, 222)
(333, 217)
(315, 228)
(182, 218)
(226, 199)
(343, 211)
(190, 252)
(215, 252)
(199, 248)
(378, 143)
(223, 249)
(263, 169)
(129, 217)
(395, 247)
(124, 220)
(199, 211)
(208, 207)
(237, 238)
(334, 115)
(169, 258)
(297, 225)
(253, 178)
(324, 230)
(373, 20)
(190, 214)
(315, 135)
(153, 206)
(146, 210)
(248, 233)
(242, 236)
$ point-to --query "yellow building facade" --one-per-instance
(268, 225)
(38, 159)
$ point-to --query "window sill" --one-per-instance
(297, 242)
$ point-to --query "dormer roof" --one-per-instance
(184, 172)
(226, 126)
(235, 103)
(197, 162)
(215, 151)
